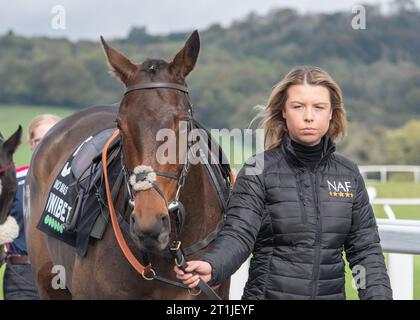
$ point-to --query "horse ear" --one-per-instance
(14, 141)
(119, 64)
(185, 59)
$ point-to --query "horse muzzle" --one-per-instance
(153, 236)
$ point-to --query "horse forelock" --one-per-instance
(153, 65)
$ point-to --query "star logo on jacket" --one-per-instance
(340, 189)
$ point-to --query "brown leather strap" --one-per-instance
(16, 259)
(232, 178)
(156, 85)
(182, 264)
(2, 255)
(143, 270)
(8, 167)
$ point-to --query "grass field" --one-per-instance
(2, 268)
(12, 116)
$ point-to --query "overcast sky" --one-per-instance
(87, 19)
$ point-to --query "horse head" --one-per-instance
(8, 183)
(156, 98)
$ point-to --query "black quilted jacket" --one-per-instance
(297, 224)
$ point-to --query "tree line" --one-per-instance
(378, 69)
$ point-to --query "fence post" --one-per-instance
(401, 275)
(383, 175)
(238, 281)
(417, 176)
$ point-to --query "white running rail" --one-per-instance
(383, 170)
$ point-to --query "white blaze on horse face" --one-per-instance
(1, 187)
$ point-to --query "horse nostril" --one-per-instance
(162, 223)
(165, 220)
(132, 219)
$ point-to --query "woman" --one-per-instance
(18, 278)
(304, 207)
(39, 126)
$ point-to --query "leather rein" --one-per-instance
(7, 167)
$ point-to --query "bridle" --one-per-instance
(7, 167)
(174, 206)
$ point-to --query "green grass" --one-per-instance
(2, 269)
(13, 115)
(395, 189)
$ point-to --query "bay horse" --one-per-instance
(156, 97)
(9, 229)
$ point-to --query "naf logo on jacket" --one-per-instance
(340, 189)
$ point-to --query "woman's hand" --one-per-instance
(202, 269)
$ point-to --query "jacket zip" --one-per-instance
(315, 194)
(301, 200)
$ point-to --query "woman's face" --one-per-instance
(38, 133)
(308, 113)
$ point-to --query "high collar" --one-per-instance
(308, 151)
(287, 148)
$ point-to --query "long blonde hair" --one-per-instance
(272, 120)
(39, 120)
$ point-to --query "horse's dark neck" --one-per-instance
(203, 211)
